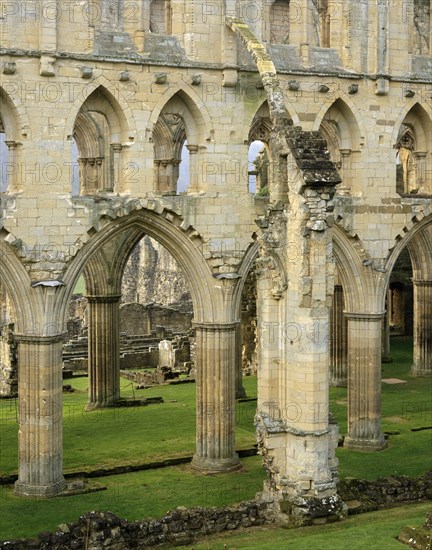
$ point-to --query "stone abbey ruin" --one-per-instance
(103, 103)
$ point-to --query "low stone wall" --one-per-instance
(104, 530)
(365, 496)
(98, 530)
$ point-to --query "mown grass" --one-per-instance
(137, 435)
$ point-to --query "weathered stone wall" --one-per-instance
(152, 275)
(99, 530)
(365, 496)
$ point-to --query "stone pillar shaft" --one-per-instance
(104, 352)
(48, 25)
(40, 471)
(364, 381)
(338, 340)
(215, 427)
(422, 355)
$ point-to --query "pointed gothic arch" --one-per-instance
(10, 120)
(413, 144)
(179, 124)
(99, 131)
(342, 132)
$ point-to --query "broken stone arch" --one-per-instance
(115, 95)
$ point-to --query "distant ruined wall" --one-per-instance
(152, 275)
(139, 319)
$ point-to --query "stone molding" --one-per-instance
(422, 282)
(108, 299)
(214, 327)
(364, 316)
(44, 340)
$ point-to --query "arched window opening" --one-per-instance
(91, 135)
(340, 129)
(331, 132)
(413, 157)
(406, 165)
(420, 31)
(170, 148)
(161, 17)
(97, 134)
(321, 23)
(184, 170)
(410, 162)
(258, 154)
(4, 159)
(279, 22)
(258, 164)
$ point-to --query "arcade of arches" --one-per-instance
(95, 111)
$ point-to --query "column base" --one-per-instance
(420, 372)
(365, 444)
(39, 491)
(216, 465)
(301, 511)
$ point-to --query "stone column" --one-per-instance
(344, 188)
(11, 166)
(422, 354)
(103, 351)
(40, 452)
(215, 426)
(420, 158)
(338, 340)
(193, 169)
(117, 171)
(364, 382)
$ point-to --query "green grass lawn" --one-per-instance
(137, 435)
